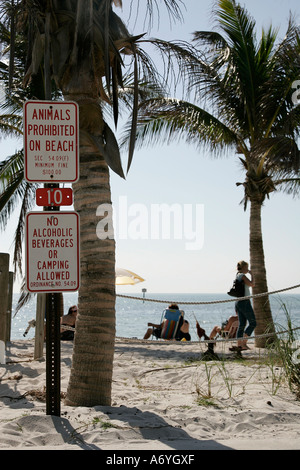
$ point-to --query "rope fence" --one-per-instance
(209, 302)
(220, 340)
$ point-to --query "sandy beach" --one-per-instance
(163, 398)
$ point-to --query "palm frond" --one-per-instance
(9, 167)
(10, 124)
(11, 197)
(164, 120)
(15, 192)
(28, 201)
(212, 88)
(132, 138)
(289, 186)
(279, 154)
(24, 298)
(155, 10)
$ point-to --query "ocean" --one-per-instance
(133, 315)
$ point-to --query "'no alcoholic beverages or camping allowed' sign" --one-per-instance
(52, 251)
(51, 141)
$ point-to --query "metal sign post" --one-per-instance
(53, 315)
(52, 354)
(51, 149)
(52, 266)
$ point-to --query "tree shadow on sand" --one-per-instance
(131, 427)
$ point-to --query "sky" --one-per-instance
(191, 188)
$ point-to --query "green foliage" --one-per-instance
(287, 348)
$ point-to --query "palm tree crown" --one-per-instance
(246, 88)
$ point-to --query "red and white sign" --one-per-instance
(51, 141)
(52, 251)
(54, 197)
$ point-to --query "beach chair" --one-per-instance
(233, 330)
(172, 321)
(231, 333)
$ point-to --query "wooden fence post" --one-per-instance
(39, 326)
(9, 305)
(4, 275)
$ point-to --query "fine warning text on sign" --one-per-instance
(52, 251)
(51, 141)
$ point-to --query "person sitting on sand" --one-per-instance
(68, 320)
(182, 331)
(227, 330)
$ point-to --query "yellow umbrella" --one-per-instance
(125, 277)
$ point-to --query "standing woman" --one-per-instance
(244, 308)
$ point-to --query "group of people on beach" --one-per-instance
(235, 326)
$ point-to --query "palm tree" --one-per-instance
(77, 43)
(246, 87)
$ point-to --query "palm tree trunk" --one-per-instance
(261, 305)
(92, 363)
